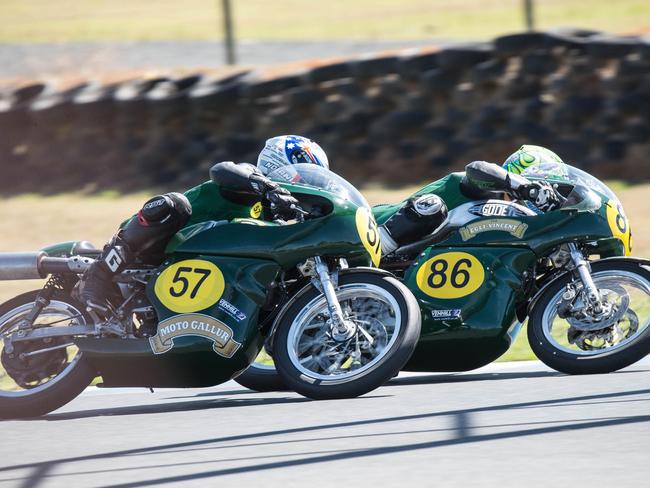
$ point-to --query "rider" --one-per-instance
(233, 191)
(481, 180)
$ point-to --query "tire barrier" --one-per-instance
(401, 118)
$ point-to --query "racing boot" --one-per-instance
(418, 217)
(96, 286)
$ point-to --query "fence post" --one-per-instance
(229, 37)
(530, 14)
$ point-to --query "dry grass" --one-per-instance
(32, 222)
(122, 20)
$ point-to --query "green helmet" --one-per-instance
(529, 155)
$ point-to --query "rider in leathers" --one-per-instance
(233, 191)
(424, 211)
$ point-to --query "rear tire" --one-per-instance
(262, 378)
(377, 371)
(56, 392)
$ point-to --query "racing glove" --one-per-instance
(279, 199)
(261, 184)
(539, 193)
(281, 203)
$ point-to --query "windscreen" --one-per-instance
(314, 176)
(587, 190)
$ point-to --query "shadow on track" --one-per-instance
(461, 420)
(460, 378)
(167, 407)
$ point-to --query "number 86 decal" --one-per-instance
(450, 275)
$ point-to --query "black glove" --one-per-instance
(281, 201)
(261, 184)
(541, 194)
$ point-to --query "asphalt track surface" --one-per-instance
(508, 425)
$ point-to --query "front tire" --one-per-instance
(22, 393)
(572, 351)
(313, 364)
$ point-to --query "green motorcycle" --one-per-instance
(340, 328)
(493, 264)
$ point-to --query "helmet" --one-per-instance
(529, 155)
(284, 150)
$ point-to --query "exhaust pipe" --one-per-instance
(37, 265)
(20, 265)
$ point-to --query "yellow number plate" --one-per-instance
(256, 210)
(450, 275)
(619, 224)
(190, 286)
(369, 233)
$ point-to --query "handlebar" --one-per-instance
(300, 213)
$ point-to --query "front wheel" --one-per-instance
(586, 344)
(318, 365)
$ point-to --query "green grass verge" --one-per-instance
(122, 20)
(520, 350)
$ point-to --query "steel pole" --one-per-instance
(229, 35)
(530, 14)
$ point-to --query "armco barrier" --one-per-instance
(401, 118)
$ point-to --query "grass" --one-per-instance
(520, 350)
(31, 222)
(122, 20)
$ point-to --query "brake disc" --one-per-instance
(588, 340)
(585, 320)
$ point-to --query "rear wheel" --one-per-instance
(314, 363)
(261, 375)
(39, 376)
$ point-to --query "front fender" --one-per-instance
(366, 269)
(631, 259)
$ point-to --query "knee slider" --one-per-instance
(158, 220)
(171, 210)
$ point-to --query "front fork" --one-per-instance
(341, 328)
(580, 267)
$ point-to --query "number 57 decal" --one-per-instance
(369, 234)
(190, 286)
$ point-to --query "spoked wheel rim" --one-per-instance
(618, 288)
(16, 372)
(375, 313)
